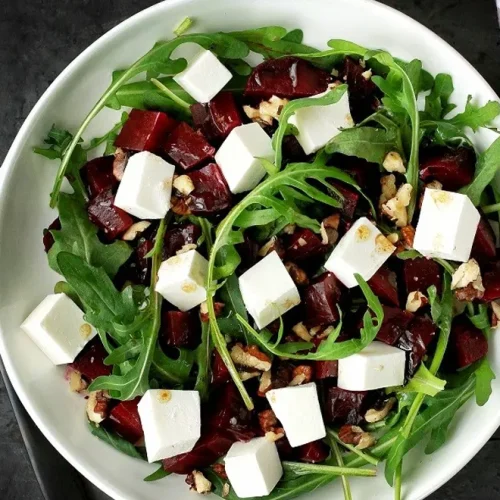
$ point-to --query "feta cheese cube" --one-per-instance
(298, 409)
(204, 77)
(57, 327)
(375, 367)
(181, 280)
(447, 225)
(317, 125)
(253, 468)
(362, 250)
(171, 421)
(268, 291)
(146, 186)
(238, 157)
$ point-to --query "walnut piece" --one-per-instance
(495, 316)
(250, 357)
(186, 248)
(76, 382)
(135, 229)
(119, 163)
(218, 308)
(267, 111)
(274, 436)
(415, 301)
(267, 420)
(352, 434)
(198, 482)
(97, 406)
(389, 190)
(301, 331)
(184, 184)
(373, 415)
(408, 235)
(265, 384)
(330, 229)
(220, 470)
(274, 244)
(467, 273)
(302, 374)
(297, 274)
(226, 489)
(179, 206)
(394, 163)
(396, 208)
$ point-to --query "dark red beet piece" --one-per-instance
(90, 362)
(385, 286)
(288, 77)
(285, 450)
(143, 265)
(248, 251)
(181, 329)
(124, 419)
(415, 341)
(491, 283)
(98, 174)
(484, 247)
(345, 407)
(48, 239)
(320, 300)
(145, 130)
(325, 369)
(177, 237)
(394, 325)
(304, 244)
(218, 117)
(211, 446)
(313, 453)
(467, 344)
(112, 220)
(453, 168)
(420, 274)
(211, 194)
(188, 148)
(349, 201)
(220, 373)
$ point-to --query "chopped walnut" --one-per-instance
(135, 229)
(220, 470)
(289, 229)
(267, 110)
(274, 244)
(186, 248)
(97, 406)
(119, 163)
(265, 384)
(373, 415)
(394, 163)
(267, 420)
(495, 313)
(246, 375)
(179, 206)
(467, 281)
(301, 331)
(302, 374)
(226, 489)
(198, 482)
(468, 293)
(218, 308)
(367, 74)
(76, 382)
(330, 229)
(415, 301)
(315, 330)
(250, 357)
(184, 184)
(396, 208)
(408, 234)
(434, 185)
(275, 436)
(352, 434)
(393, 237)
(297, 274)
(389, 190)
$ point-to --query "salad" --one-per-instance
(273, 275)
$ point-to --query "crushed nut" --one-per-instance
(198, 482)
(352, 434)
(244, 375)
(289, 229)
(97, 406)
(76, 382)
(267, 420)
(314, 330)
(389, 190)
(367, 74)
(495, 316)
(226, 489)
(301, 331)
(374, 415)
(186, 248)
(297, 274)
(183, 184)
(274, 244)
(434, 185)
(220, 470)
(218, 308)
(267, 111)
(265, 383)
(393, 237)
(302, 374)
(119, 163)
(467, 281)
(135, 229)
(250, 357)
(468, 293)
(408, 234)
(274, 436)
(394, 163)
(396, 208)
(415, 301)
(179, 206)
(329, 229)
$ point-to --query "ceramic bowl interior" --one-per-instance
(26, 180)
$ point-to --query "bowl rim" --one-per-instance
(7, 169)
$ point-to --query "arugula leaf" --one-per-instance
(300, 468)
(115, 441)
(173, 371)
(487, 166)
(79, 237)
(203, 357)
(423, 382)
(475, 116)
(233, 304)
(158, 474)
(484, 376)
(109, 137)
(437, 103)
(340, 461)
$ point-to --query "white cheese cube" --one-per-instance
(268, 291)
(238, 157)
(317, 125)
(375, 367)
(204, 77)
(447, 226)
(57, 327)
(298, 410)
(146, 186)
(362, 250)
(181, 280)
(253, 468)
(171, 421)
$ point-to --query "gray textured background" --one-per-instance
(38, 38)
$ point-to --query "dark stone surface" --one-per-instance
(38, 38)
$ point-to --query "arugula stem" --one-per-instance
(338, 456)
(334, 437)
(303, 468)
(183, 26)
(446, 265)
(170, 94)
(398, 482)
(489, 209)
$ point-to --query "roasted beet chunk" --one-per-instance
(491, 283)
(420, 274)
(484, 247)
(181, 329)
(220, 373)
(320, 300)
(143, 264)
(304, 244)
(345, 407)
(211, 446)
(394, 325)
(145, 130)
(467, 344)
(211, 194)
(176, 238)
(453, 168)
(362, 92)
(112, 220)
(124, 419)
(415, 341)
(90, 362)
(385, 286)
(188, 148)
(218, 117)
(325, 369)
(349, 200)
(98, 174)
(48, 239)
(288, 77)
(313, 453)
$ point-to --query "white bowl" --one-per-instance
(25, 185)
